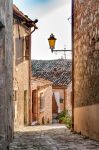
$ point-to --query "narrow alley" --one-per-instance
(49, 75)
(50, 137)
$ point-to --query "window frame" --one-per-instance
(42, 102)
(27, 47)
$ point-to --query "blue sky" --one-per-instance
(38, 8)
(40, 2)
(53, 18)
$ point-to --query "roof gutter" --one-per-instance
(33, 31)
(35, 27)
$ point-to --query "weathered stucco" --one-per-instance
(45, 115)
(41, 94)
(69, 99)
(6, 74)
(21, 73)
(87, 120)
(86, 67)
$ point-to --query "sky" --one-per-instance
(53, 18)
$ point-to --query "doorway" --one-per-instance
(54, 105)
(15, 103)
(25, 108)
(34, 105)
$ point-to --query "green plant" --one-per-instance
(65, 118)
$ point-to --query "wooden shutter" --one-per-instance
(27, 47)
(19, 44)
(42, 101)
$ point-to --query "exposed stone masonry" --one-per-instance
(57, 71)
(86, 67)
(6, 78)
(55, 137)
(86, 52)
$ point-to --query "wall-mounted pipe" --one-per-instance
(72, 25)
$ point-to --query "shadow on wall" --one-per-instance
(22, 46)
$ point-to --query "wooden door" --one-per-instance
(34, 105)
(25, 108)
(54, 105)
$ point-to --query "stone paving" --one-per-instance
(50, 137)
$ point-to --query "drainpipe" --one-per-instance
(32, 31)
(30, 72)
(72, 64)
(37, 107)
(65, 96)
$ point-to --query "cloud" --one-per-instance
(40, 8)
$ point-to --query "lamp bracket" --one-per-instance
(62, 50)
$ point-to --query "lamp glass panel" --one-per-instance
(52, 43)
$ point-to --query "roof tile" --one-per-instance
(57, 71)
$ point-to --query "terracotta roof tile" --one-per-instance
(23, 17)
(56, 71)
(39, 82)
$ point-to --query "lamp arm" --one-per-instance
(63, 50)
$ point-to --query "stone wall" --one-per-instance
(41, 101)
(45, 115)
(69, 99)
(6, 74)
(21, 73)
(86, 67)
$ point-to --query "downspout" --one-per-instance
(19, 29)
(32, 31)
(65, 99)
(72, 11)
(37, 107)
(30, 72)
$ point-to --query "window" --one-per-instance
(19, 44)
(15, 95)
(61, 100)
(42, 101)
(81, 1)
(27, 47)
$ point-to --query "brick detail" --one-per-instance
(86, 67)
(86, 52)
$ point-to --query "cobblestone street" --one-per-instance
(53, 137)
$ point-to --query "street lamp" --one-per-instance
(52, 41)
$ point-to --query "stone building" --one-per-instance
(86, 67)
(59, 73)
(6, 74)
(22, 70)
(65, 98)
(41, 91)
(62, 97)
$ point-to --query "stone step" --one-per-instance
(55, 121)
(54, 115)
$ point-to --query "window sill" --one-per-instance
(42, 110)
